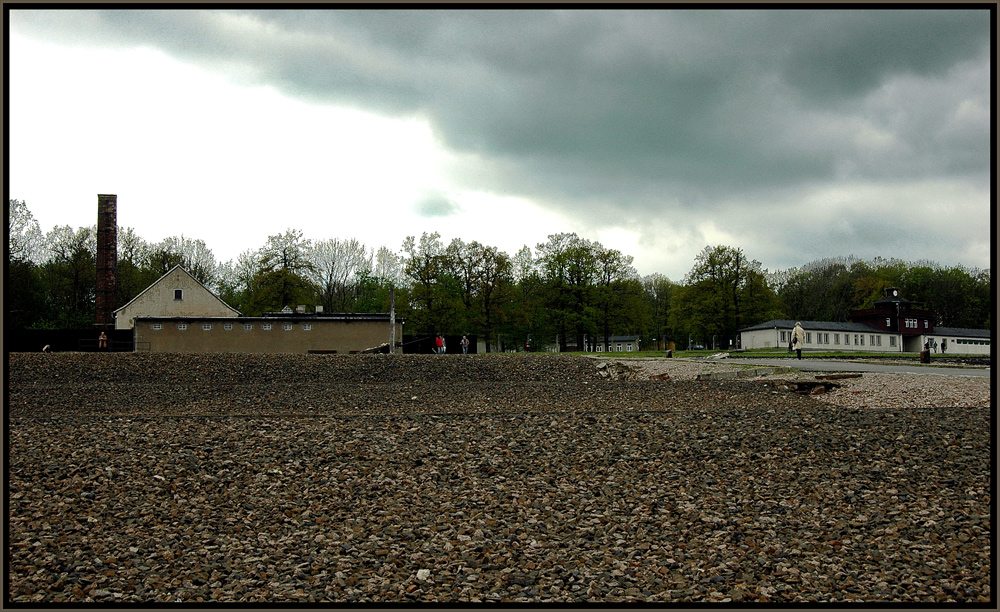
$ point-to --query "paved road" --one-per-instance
(837, 365)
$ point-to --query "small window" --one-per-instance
(178, 294)
(619, 348)
(265, 326)
(782, 336)
(307, 326)
(157, 325)
(288, 326)
(836, 338)
(862, 339)
(888, 322)
(892, 340)
(879, 338)
(926, 324)
(871, 340)
(182, 326)
(628, 347)
(227, 326)
(248, 326)
(826, 338)
(809, 337)
(206, 326)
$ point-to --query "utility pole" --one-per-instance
(392, 319)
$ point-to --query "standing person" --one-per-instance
(439, 344)
(465, 345)
(102, 341)
(798, 339)
(444, 346)
(944, 345)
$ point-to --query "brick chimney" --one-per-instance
(107, 260)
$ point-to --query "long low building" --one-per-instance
(831, 336)
(891, 325)
(821, 335)
(341, 333)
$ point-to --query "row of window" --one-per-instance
(600, 348)
(859, 339)
(824, 338)
(911, 323)
(228, 326)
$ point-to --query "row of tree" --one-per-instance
(568, 291)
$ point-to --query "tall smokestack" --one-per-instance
(107, 259)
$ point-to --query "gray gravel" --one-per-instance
(378, 478)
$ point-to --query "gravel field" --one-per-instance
(510, 478)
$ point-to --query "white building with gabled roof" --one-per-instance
(175, 294)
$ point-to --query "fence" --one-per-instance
(65, 340)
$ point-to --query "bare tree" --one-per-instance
(25, 239)
(337, 266)
(388, 266)
(191, 253)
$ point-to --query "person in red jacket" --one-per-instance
(439, 344)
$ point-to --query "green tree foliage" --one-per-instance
(526, 318)
(281, 271)
(24, 295)
(434, 295)
(235, 280)
(24, 298)
(482, 275)
(569, 288)
(568, 265)
(134, 272)
(659, 293)
(70, 278)
(831, 289)
(617, 297)
(724, 291)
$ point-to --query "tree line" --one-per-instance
(567, 291)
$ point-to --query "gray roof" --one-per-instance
(961, 331)
(815, 326)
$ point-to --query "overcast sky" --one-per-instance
(794, 134)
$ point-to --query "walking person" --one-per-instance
(439, 344)
(465, 345)
(798, 339)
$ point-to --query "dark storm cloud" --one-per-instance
(608, 112)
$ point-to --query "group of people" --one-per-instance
(928, 346)
(440, 346)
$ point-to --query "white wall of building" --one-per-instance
(958, 345)
(824, 340)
